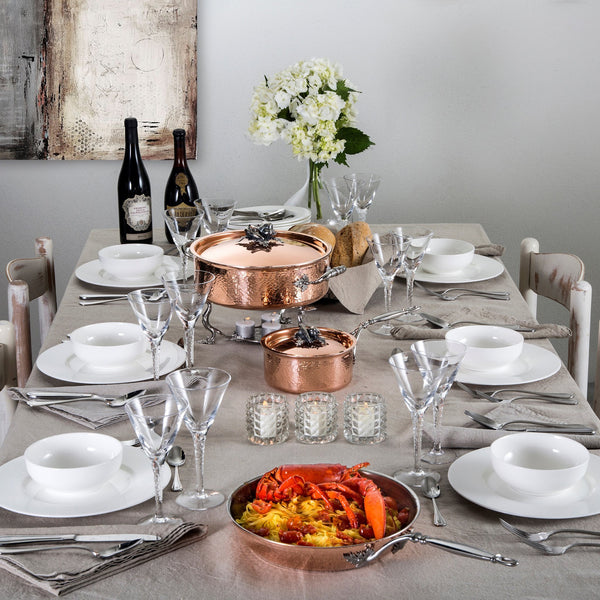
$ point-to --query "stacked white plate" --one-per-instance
(295, 215)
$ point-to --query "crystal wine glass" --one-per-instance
(340, 195)
(446, 355)
(152, 308)
(388, 254)
(217, 212)
(364, 187)
(417, 386)
(156, 420)
(183, 230)
(415, 250)
(189, 298)
(203, 389)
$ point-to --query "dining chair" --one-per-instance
(8, 375)
(596, 395)
(30, 279)
(559, 277)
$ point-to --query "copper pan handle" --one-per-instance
(383, 317)
(303, 281)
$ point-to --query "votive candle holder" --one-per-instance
(316, 418)
(364, 418)
(267, 421)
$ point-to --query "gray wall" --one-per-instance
(481, 110)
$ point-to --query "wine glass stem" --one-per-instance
(199, 443)
(410, 283)
(417, 424)
(387, 293)
(184, 261)
(154, 349)
(360, 213)
(158, 495)
(188, 343)
(438, 411)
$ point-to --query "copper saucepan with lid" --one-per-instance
(292, 366)
(290, 269)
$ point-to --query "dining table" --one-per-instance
(221, 565)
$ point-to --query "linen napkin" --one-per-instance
(64, 570)
(420, 332)
(490, 249)
(355, 287)
(93, 414)
(473, 435)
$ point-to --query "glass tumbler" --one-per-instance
(364, 418)
(316, 418)
(267, 419)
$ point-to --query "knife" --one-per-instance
(48, 395)
(74, 537)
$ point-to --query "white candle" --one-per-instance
(266, 421)
(245, 329)
(269, 317)
(364, 416)
(269, 327)
(315, 420)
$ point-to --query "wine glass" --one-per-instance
(388, 254)
(446, 355)
(156, 420)
(364, 187)
(203, 389)
(415, 250)
(340, 195)
(418, 386)
(217, 212)
(183, 230)
(152, 308)
(189, 298)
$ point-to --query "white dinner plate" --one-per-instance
(61, 363)
(299, 216)
(131, 485)
(92, 272)
(473, 477)
(534, 364)
(480, 269)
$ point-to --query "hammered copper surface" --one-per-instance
(255, 288)
(297, 374)
(310, 558)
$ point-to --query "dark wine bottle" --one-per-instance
(133, 190)
(181, 190)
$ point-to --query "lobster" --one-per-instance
(327, 482)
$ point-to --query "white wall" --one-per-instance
(481, 110)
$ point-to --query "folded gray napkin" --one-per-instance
(91, 413)
(490, 249)
(420, 332)
(473, 435)
(355, 287)
(64, 570)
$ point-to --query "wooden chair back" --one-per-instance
(30, 279)
(559, 277)
(8, 375)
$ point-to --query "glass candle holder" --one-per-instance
(364, 418)
(316, 418)
(267, 419)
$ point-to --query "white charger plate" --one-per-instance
(481, 268)
(299, 216)
(131, 485)
(92, 272)
(61, 363)
(473, 477)
(534, 364)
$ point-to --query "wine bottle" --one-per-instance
(133, 190)
(181, 190)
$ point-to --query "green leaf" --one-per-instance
(286, 114)
(342, 90)
(356, 140)
(340, 159)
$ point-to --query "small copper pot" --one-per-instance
(293, 369)
(254, 288)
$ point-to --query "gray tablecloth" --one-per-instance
(221, 567)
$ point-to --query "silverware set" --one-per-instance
(517, 394)
(275, 215)
(453, 293)
(530, 425)
(47, 398)
(438, 322)
(535, 539)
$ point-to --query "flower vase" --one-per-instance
(308, 194)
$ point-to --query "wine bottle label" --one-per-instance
(138, 212)
(181, 180)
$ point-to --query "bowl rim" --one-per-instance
(130, 327)
(469, 247)
(453, 334)
(153, 251)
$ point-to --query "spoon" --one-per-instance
(176, 459)
(432, 490)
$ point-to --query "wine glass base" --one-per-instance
(154, 520)
(438, 459)
(196, 501)
(383, 329)
(415, 478)
(409, 318)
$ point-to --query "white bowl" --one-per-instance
(108, 345)
(488, 347)
(131, 261)
(445, 255)
(539, 463)
(74, 462)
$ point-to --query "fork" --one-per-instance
(108, 553)
(446, 294)
(34, 399)
(519, 395)
(540, 536)
(528, 425)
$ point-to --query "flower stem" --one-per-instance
(314, 186)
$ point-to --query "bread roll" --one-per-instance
(317, 230)
(351, 245)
